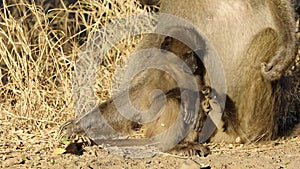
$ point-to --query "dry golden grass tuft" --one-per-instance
(39, 43)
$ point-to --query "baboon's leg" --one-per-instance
(256, 97)
(172, 126)
(103, 120)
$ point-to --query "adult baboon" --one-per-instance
(256, 43)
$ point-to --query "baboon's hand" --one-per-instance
(190, 104)
(205, 107)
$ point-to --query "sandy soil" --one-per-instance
(22, 149)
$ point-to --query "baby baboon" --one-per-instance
(180, 102)
(256, 42)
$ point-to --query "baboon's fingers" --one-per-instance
(212, 120)
(190, 103)
(200, 120)
(197, 124)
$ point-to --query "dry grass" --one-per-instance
(39, 44)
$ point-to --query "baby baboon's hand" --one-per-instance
(190, 103)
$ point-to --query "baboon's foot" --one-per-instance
(70, 127)
(74, 132)
(271, 72)
(190, 149)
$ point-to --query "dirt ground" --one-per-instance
(22, 149)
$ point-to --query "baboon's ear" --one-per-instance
(149, 2)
